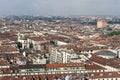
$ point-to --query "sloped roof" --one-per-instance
(106, 53)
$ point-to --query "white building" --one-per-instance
(60, 55)
(118, 52)
(33, 42)
(22, 38)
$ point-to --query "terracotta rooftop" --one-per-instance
(37, 38)
(37, 77)
(8, 49)
(97, 75)
(98, 59)
(3, 63)
(62, 65)
(93, 66)
(115, 63)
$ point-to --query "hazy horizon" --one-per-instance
(60, 7)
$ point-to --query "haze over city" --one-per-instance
(59, 40)
(59, 7)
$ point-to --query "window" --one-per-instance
(110, 74)
(92, 74)
(24, 78)
(101, 74)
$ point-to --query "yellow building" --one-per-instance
(101, 24)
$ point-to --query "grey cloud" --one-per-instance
(60, 7)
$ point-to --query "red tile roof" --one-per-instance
(93, 66)
(96, 75)
(8, 49)
(62, 65)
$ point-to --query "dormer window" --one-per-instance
(24, 78)
(92, 74)
(110, 74)
(101, 74)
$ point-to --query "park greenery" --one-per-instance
(113, 33)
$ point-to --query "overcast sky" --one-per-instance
(60, 7)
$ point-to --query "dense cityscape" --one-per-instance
(59, 48)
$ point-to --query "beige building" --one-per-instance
(101, 24)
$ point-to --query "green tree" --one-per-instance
(19, 45)
(114, 33)
(52, 42)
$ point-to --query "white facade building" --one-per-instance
(60, 55)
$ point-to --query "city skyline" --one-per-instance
(59, 40)
(59, 7)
